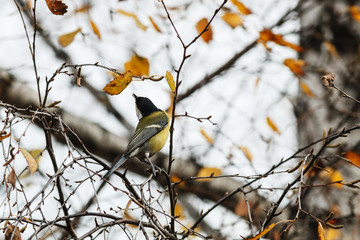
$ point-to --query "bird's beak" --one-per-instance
(134, 96)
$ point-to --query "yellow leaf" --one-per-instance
(66, 39)
(95, 29)
(33, 166)
(295, 65)
(2, 137)
(35, 153)
(267, 35)
(332, 234)
(138, 65)
(266, 230)
(208, 171)
(334, 176)
(200, 26)
(170, 81)
(306, 89)
(355, 12)
(83, 9)
(133, 16)
(272, 125)
(241, 7)
(246, 152)
(321, 232)
(175, 178)
(119, 83)
(209, 139)
(154, 24)
(354, 157)
(179, 211)
(232, 19)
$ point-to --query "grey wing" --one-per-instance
(143, 134)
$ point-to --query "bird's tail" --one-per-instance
(118, 164)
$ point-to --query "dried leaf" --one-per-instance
(133, 16)
(119, 83)
(66, 39)
(2, 137)
(241, 208)
(232, 19)
(354, 157)
(170, 81)
(57, 7)
(179, 211)
(331, 48)
(33, 166)
(246, 152)
(306, 89)
(138, 65)
(126, 212)
(272, 125)
(295, 65)
(154, 24)
(95, 29)
(334, 176)
(11, 178)
(207, 172)
(267, 35)
(241, 7)
(266, 230)
(9, 231)
(355, 12)
(200, 26)
(35, 153)
(321, 232)
(207, 137)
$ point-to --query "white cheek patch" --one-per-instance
(138, 114)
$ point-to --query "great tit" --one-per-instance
(150, 135)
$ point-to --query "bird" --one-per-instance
(150, 135)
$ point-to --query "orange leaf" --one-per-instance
(95, 29)
(138, 65)
(331, 48)
(266, 230)
(66, 39)
(267, 35)
(209, 139)
(200, 27)
(208, 171)
(306, 89)
(321, 232)
(126, 212)
(57, 7)
(272, 125)
(174, 179)
(119, 83)
(33, 166)
(154, 24)
(354, 157)
(133, 16)
(246, 152)
(295, 65)
(170, 81)
(355, 12)
(232, 19)
(241, 7)
(2, 137)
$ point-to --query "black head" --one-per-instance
(144, 106)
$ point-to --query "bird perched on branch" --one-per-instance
(150, 135)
